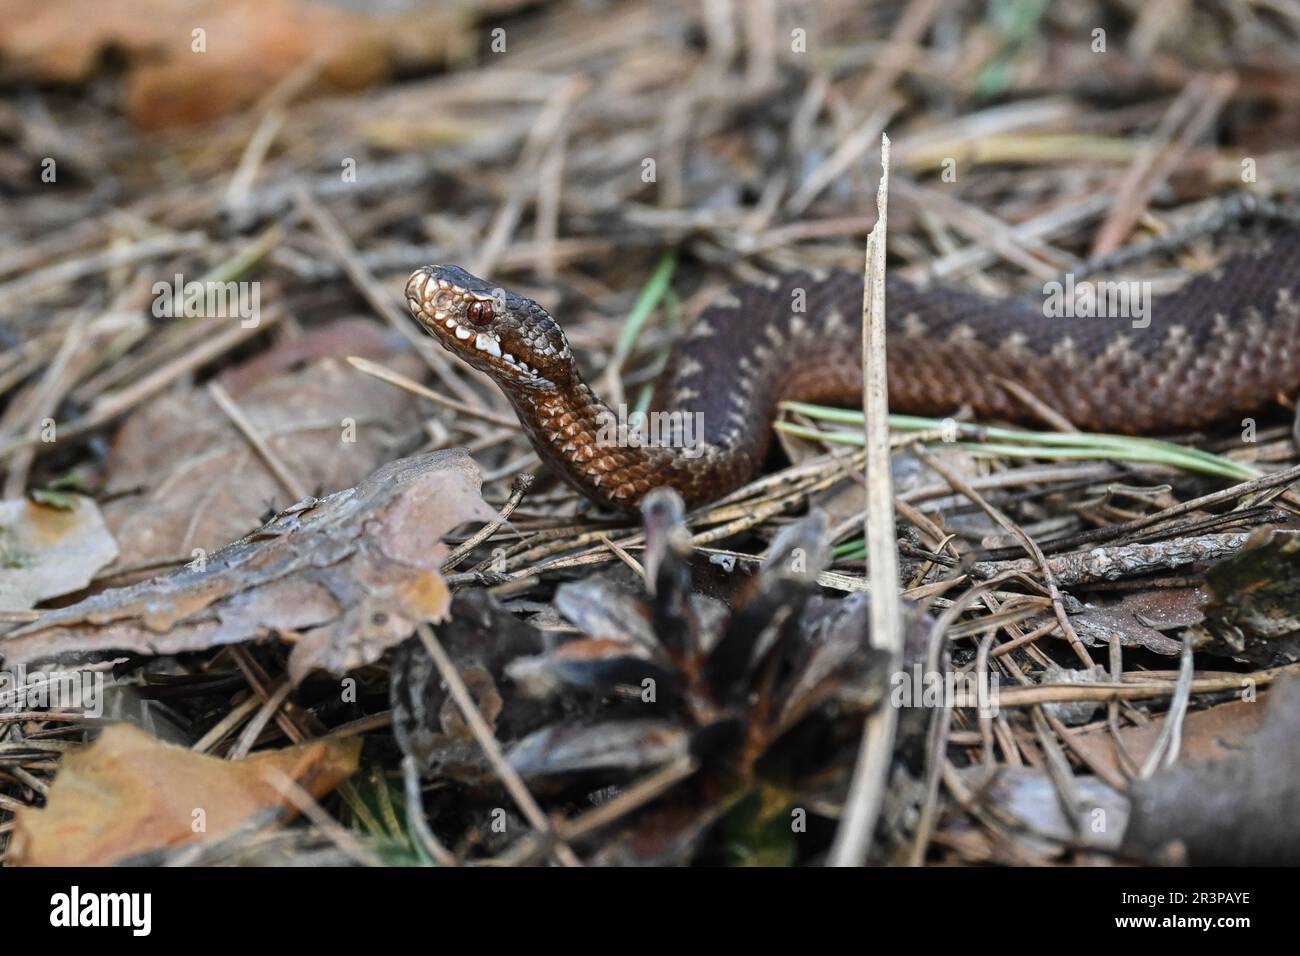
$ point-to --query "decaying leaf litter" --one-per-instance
(239, 525)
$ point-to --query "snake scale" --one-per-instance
(1226, 342)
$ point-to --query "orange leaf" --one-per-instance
(128, 793)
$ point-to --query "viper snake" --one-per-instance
(1227, 342)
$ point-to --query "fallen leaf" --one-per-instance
(198, 483)
(1212, 734)
(1140, 618)
(1029, 796)
(343, 578)
(128, 793)
(176, 77)
(1231, 799)
(338, 339)
(47, 551)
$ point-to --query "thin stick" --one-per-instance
(491, 749)
(255, 438)
(633, 797)
(109, 406)
(1165, 752)
(1061, 693)
(1030, 545)
(867, 789)
(623, 556)
(306, 804)
(418, 825)
(227, 724)
(521, 486)
(270, 708)
(374, 293)
(385, 374)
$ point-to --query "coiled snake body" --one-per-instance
(1226, 342)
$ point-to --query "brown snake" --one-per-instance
(1225, 342)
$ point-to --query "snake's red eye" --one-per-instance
(480, 313)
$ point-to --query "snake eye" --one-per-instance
(480, 313)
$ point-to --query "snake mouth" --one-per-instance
(471, 319)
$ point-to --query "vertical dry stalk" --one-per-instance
(867, 789)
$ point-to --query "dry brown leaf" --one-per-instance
(199, 484)
(1221, 731)
(344, 578)
(1141, 618)
(338, 339)
(1240, 809)
(128, 793)
(47, 551)
(248, 47)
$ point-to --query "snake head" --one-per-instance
(510, 337)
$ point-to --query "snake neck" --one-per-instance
(616, 456)
(709, 425)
